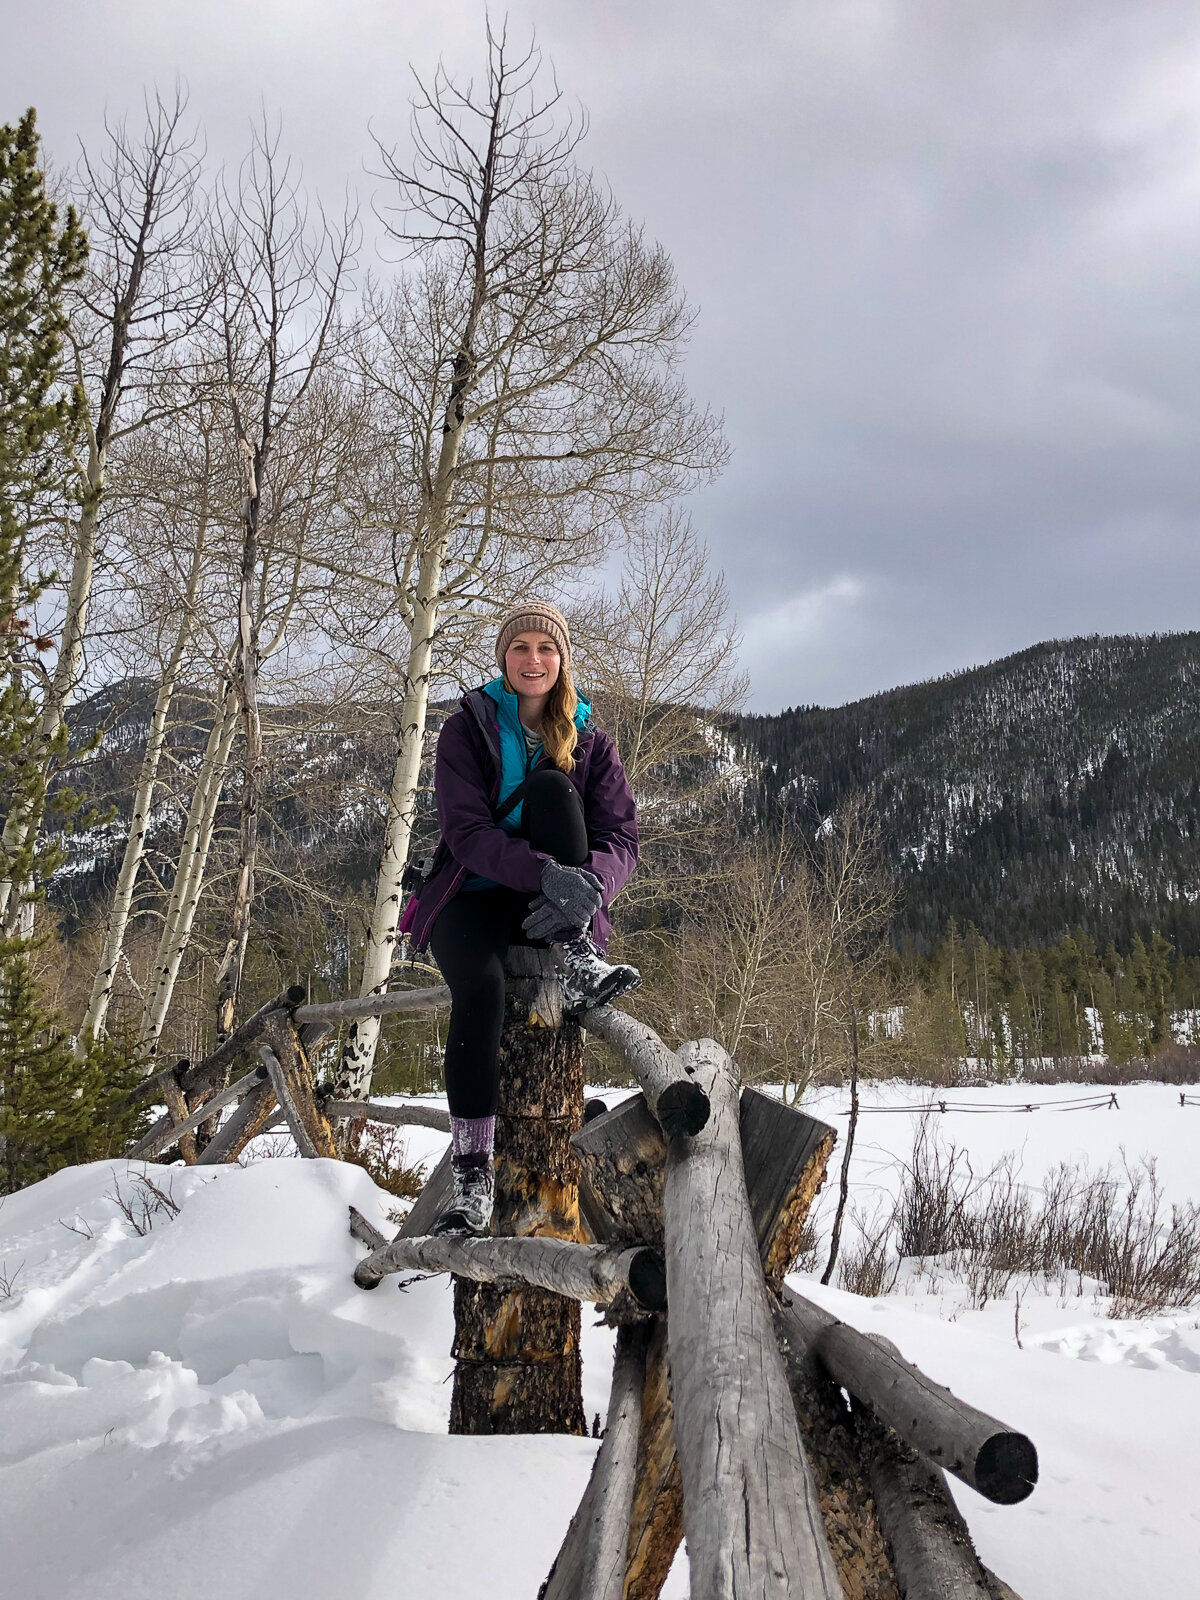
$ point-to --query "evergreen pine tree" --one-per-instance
(57, 1105)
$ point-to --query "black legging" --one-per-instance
(471, 936)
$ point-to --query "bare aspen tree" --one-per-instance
(659, 658)
(777, 959)
(529, 360)
(178, 518)
(143, 292)
(282, 285)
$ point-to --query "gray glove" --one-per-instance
(569, 900)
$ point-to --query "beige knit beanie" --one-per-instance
(534, 617)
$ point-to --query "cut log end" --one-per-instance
(1006, 1468)
(682, 1107)
(648, 1280)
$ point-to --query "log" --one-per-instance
(225, 1054)
(594, 1554)
(397, 1116)
(678, 1103)
(622, 1156)
(577, 1271)
(835, 1453)
(517, 1351)
(997, 1461)
(656, 1517)
(372, 1005)
(751, 1515)
(254, 1116)
(295, 1089)
(165, 1131)
(365, 1232)
(932, 1552)
(177, 1114)
(785, 1154)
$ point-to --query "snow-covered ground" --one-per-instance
(212, 1408)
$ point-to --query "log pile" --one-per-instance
(797, 1455)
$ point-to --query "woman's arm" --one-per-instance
(611, 816)
(462, 789)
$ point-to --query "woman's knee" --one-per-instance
(553, 811)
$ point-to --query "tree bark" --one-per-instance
(295, 1089)
(517, 1352)
(679, 1104)
(631, 1279)
(255, 1115)
(376, 1005)
(595, 1552)
(622, 1156)
(751, 1515)
(998, 1462)
(931, 1547)
(405, 1116)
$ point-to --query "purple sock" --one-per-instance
(472, 1136)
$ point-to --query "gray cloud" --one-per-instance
(945, 257)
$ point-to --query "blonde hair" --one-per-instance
(559, 733)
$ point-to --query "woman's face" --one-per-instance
(531, 665)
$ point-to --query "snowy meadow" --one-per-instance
(187, 1366)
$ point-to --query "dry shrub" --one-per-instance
(1112, 1227)
(381, 1150)
(1172, 1063)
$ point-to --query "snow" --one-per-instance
(212, 1407)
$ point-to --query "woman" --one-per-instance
(539, 832)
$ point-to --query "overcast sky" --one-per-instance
(945, 255)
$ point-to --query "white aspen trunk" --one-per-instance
(135, 845)
(353, 1081)
(189, 874)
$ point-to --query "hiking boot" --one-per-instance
(470, 1208)
(588, 980)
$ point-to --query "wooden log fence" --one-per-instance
(578, 1271)
(997, 1461)
(726, 1419)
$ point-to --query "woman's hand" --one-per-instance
(569, 900)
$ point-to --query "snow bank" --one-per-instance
(211, 1407)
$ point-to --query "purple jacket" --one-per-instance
(466, 786)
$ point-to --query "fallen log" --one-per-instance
(594, 1553)
(372, 1005)
(575, 1271)
(997, 1461)
(751, 1516)
(177, 1114)
(255, 1115)
(622, 1157)
(404, 1116)
(366, 1232)
(226, 1053)
(931, 1548)
(295, 1089)
(678, 1102)
(165, 1131)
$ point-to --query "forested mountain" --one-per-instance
(1050, 791)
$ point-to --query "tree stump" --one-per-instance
(517, 1351)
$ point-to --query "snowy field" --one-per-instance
(212, 1408)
